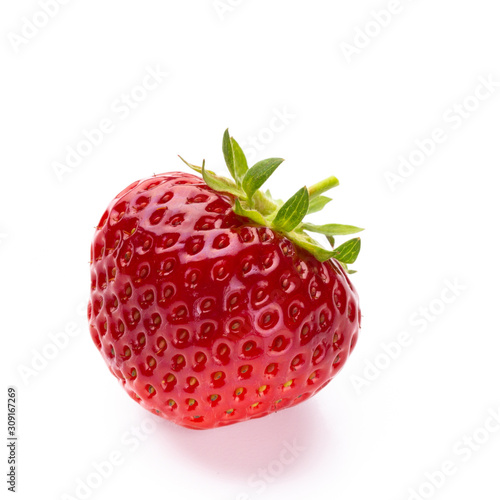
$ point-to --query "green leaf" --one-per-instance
(348, 252)
(220, 183)
(286, 217)
(311, 246)
(318, 203)
(258, 174)
(290, 215)
(265, 205)
(331, 229)
(240, 162)
(190, 165)
(227, 149)
(251, 214)
(323, 186)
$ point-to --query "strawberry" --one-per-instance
(211, 303)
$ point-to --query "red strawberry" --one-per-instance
(209, 301)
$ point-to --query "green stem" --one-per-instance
(285, 217)
(323, 186)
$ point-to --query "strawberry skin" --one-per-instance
(206, 317)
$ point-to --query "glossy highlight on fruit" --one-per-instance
(207, 317)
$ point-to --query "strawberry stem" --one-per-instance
(285, 217)
(323, 186)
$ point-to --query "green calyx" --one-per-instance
(285, 217)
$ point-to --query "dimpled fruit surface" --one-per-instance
(207, 318)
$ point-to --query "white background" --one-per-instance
(349, 115)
